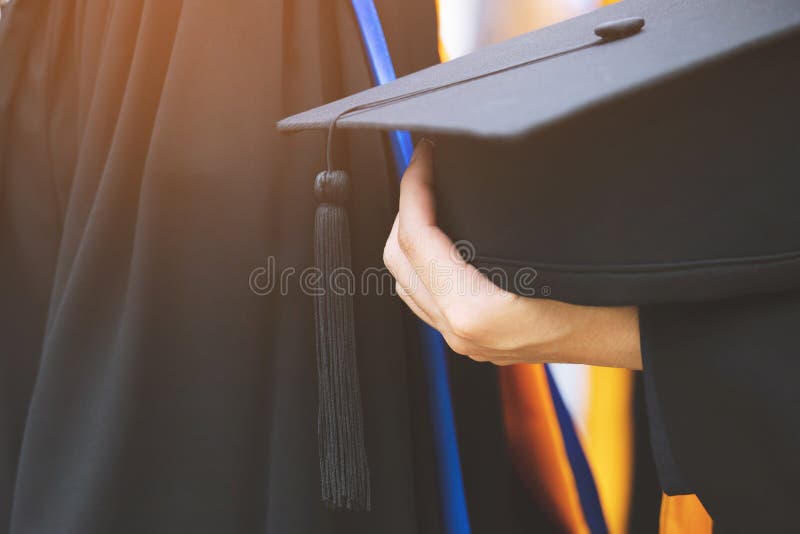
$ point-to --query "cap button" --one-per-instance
(619, 29)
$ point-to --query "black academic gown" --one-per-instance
(724, 403)
(145, 386)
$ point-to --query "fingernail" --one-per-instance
(420, 146)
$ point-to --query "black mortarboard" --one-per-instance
(645, 152)
(661, 166)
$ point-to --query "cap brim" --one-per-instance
(679, 36)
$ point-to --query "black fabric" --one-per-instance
(725, 376)
(145, 386)
(645, 505)
(497, 499)
(669, 472)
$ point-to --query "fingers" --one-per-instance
(409, 286)
(437, 284)
(428, 250)
(417, 200)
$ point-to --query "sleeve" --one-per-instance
(721, 383)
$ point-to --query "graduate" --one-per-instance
(156, 376)
(626, 184)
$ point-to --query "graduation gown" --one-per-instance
(145, 386)
(721, 384)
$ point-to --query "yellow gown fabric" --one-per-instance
(536, 446)
(684, 514)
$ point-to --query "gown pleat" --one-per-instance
(146, 386)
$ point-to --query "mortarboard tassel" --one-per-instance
(343, 459)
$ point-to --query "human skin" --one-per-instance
(487, 323)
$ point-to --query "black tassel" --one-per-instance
(342, 454)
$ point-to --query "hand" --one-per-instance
(477, 318)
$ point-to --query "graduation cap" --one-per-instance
(645, 152)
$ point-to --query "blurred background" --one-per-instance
(465, 25)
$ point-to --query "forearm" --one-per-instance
(589, 335)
